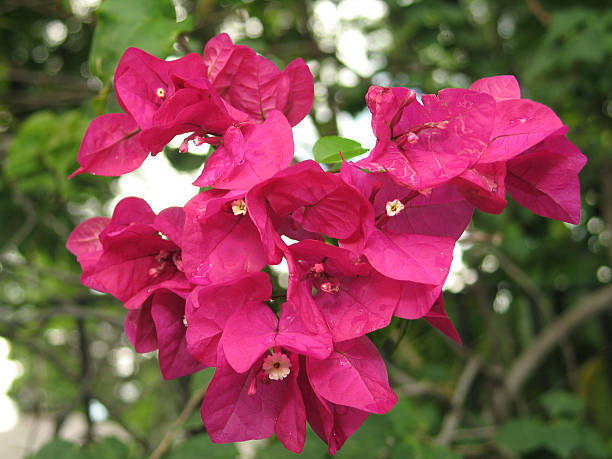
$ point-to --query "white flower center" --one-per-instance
(394, 207)
(239, 207)
(161, 93)
(277, 366)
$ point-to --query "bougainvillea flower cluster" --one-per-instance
(363, 243)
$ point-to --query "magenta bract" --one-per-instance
(143, 82)
(249, 154)
(310, 198)
(210, 307)
(353, 375)
(219, 244)
(372, 241)
(428, 144)
(254, 85)
(111, 146)
(544, 179)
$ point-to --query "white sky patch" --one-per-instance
(97, 411)
(83, 8)
(9, 371)
(304, 136)
(158, 183)
(352, 51)
(325, 18)
(124, 361)
(282, 269)
(55, 33)
(460, 274)
(358, 127)
(370, 10)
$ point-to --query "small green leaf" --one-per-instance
(150, 26)
(592, 444)
(522, 435)
(108, 448)
(563, 437)
(58, 448)
(327, 149)
(184, 162)
(200, 446)
(559, 403)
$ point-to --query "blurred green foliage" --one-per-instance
(522, 272)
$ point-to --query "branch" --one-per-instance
(28, 225)
(589, 306)
(409, 387)
(606, 197)
(468, 376)
(115, 415)
(543, 304)
(85, 379)
(539, 12)
(193, 403)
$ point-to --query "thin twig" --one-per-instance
(407, 386)
(116, 416)
(606, 197)
(468, 376)
(539, 12)
(85, 379)
(193, 403)
(28, 225)
(589, 306)
(183, 42)
(544, 305)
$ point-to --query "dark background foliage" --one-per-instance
(534, 377)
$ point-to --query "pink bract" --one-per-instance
(353, 375)
(133, 260)
(249, 155)
(428, 144)
(160, 324)
(332, 423)
(111, 146)
(209, 308)
(310, 198)
(217, 244)
(254, 85)
(143, 82)
(363, 245)
(544, 179)
(351, 297)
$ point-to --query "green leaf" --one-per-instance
(563, 437)
(184, 162)
(199, 447)
(592, 444)
(273, 449)
(327, 149)
(108, 448)
(56, 449)
(148, 25)
(44, 150)
(560, 403)
(522, 435)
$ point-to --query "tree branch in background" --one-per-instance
(407, 386)
(85, 377)
(468, 376)
(606, 197)
(588, 307)
(543, 304)
(116, 416)
(193, 403)
(539, 12)
(28, 225)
